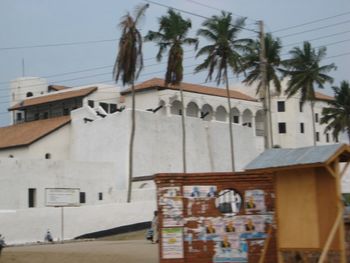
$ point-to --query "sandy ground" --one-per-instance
(122, 248)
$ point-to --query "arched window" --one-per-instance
(29, 94)
(207, 112)
(235, 115)
(176, 108)
(192, 109)
(221, 114)
(48, 156)
(247, 118)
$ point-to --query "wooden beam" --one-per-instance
(266, 244)
(331, 171)
(344, 169)
(331, 237)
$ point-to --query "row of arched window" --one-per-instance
(207, 113)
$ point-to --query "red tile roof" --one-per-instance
(157, 83)
(58, 87)
(321, 96)
(26, 133)
(57, 96)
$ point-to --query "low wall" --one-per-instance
(30, 225)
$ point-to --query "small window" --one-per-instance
(36, 116)
(327, 137)
(281, 106)
(91, 103)
(46, 115)
(48, 156)
(316, 117)
(112, 108)
(235, 119)
(66, 111)
(31, 197)
(317, 136)
(29, 94)
(301, 127)
(336, 139)
(104, 106)
(82, 198)
(100, 196)
(19, 116)
(180, 112)
(10, 156)
(301, 106)
(282, 127)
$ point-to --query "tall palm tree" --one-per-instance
(304, 72)
(223, 54)
(172, 34)
(127, 67)
(337, 115)
(252, 67)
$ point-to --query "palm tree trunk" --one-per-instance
(230, 123)
(312, 104)
(131, 143)
(183, 130)
(269, 114)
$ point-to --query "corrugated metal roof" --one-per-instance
(278, 158)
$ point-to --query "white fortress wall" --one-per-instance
(17, 176)
(30, 225)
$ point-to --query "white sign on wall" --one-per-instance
(62, 196)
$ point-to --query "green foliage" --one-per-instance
(172, 34)
(129, 61)
(251, 63)
(225, 49)
(337, 114)
(304, 71)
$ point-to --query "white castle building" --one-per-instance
(63, 137)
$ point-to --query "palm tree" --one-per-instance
(172, 34)
(337, 115)
(252, 67)
(304, 71)
(128, 65)
(223, 54)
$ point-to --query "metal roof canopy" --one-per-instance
(308, 197)
(314, 156)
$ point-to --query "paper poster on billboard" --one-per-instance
(172, 243)
(254, 201)
(200, 191)
(230, 248)
(254, 227)
(172, 205)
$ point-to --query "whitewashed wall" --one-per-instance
(30, 225)
(57, 144)
(18, 175)
(158, 143)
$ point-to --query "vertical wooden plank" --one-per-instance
(296, 207)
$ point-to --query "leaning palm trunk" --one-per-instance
(229, 123)
(131, 143)
(183, 130)
(312, 104)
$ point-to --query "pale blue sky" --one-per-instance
(26, 23)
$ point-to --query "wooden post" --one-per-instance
(266, 244)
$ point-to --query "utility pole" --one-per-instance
(265, 90)
(23, 68)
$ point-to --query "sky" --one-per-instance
(75, 42)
